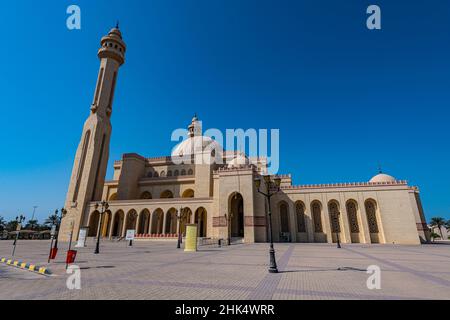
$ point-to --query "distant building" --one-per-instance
(146, 193)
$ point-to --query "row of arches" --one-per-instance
(353, 214)
(170, 173)
(166, 194)
(146, 222)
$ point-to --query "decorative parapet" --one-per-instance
(244, 167)
(165, 159)
(346, 185)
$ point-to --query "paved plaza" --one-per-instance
(157, 270)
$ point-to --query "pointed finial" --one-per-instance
(380, 170)
(117, 25)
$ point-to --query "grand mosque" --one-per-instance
(158, 197)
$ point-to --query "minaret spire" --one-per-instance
(91, 160)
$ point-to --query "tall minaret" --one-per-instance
(89, 169)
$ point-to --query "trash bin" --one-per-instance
(71, 255)
(53, 253)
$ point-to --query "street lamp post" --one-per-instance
(105, 207)
(270, 184)
(19, 221)
(180, 216)
(338, 240)
(228, 218)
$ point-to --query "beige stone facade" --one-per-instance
(147, 194)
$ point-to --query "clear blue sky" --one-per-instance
(343, 97)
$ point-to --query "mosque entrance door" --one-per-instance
(237, 210)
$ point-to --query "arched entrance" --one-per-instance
(186, 219)
(144, 221)
(93, 224)
(106, 223)
(171, 221)
(157, 221)
(131, 220)
(117, 224)
(371, 211)
(352, 213)
(236, 205)
(333, 209)
(201, 220)
(285, 232)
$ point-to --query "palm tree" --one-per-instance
(32, 225)
(11, 225)
(438, 222)
(447, 225)
(434, 236)
(52, 220)
(2, 223)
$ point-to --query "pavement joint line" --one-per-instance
(269, 284)
(422, 275)
(26, 266)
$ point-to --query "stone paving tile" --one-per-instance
(157, 270)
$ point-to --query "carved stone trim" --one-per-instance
(252, 221)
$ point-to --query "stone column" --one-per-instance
(309, 222)
(150, 223)
(292, 221)
(124, 226)
(326, 221)
(345, 230)
(363, 224)
(164, 222)
(111, 226)
(138, 222)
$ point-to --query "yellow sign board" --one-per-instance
(191, 238)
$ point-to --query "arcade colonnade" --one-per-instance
(150, 220)
(316, 221)
(293, 221)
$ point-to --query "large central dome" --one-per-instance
(196, 143)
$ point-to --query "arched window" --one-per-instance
(333, 209)
(146, 195)
(166, 194)
(150, 174)
(189, 193)
(284, 217)
(316, 210)
(300, 209)
(156, 175)
(169, 173)
(176, 173)
(81, 165)
(372, 216)
(183, 172)
(113, 197)
(352, 216)
(190, 172)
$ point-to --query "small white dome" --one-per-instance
(240, 160)
(382, 178)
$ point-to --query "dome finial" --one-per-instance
(117, 24)
(380, 170)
